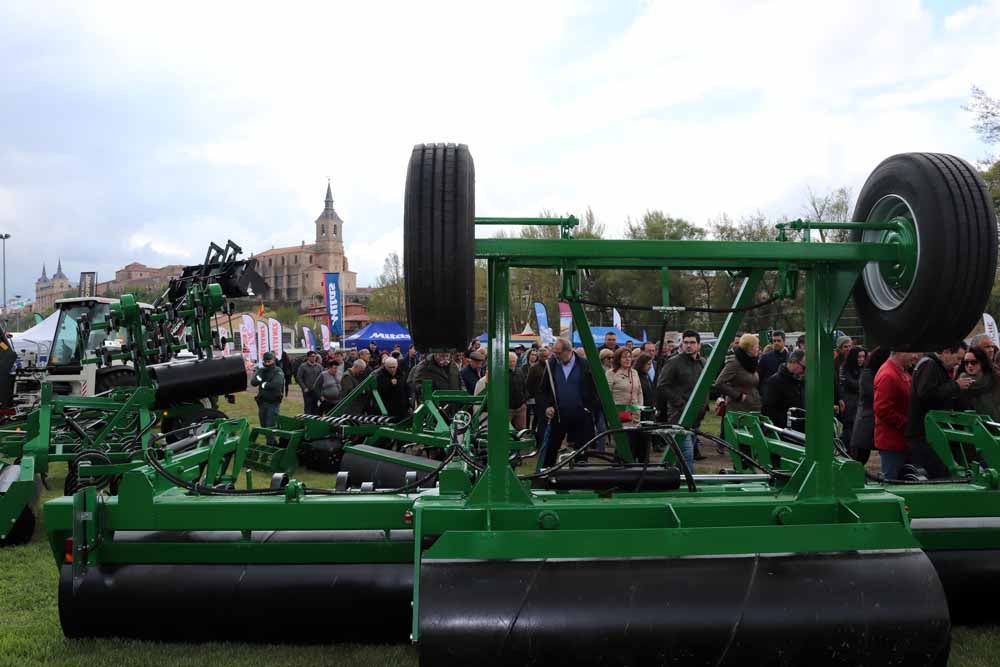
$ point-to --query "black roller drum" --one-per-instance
(883, 608)
(186, 381)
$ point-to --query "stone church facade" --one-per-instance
(48, 290)
(295, 273)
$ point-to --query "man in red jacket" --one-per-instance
(891, 406)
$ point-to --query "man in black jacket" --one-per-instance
(932, 389)
(771, 361)
(677, 380)
(567, 401)
(783, 390)
(270, 382)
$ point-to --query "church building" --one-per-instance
(296, 273)
(48, 290)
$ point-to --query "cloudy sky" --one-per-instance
(140, 132)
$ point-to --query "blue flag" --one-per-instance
(310, 338)
(332, 282)
(544, 330)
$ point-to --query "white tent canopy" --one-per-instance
(37, 339)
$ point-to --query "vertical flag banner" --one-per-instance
(644, 338)
(544, 330)
(332, 282)
(616, 318)
(324, 334)
(263, 339)
(274, 330)
(991, 328)
(248, 338)
(565, 321)
(310, 339)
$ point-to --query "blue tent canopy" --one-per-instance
(598, 333)
(383, 334)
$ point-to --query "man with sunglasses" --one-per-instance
(771, 361)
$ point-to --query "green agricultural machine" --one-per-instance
(626, 563)
(145, 381)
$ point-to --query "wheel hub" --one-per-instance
(888, 283)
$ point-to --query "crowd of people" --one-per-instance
(880, 396)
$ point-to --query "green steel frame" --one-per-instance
(945, 514)
(823, 506)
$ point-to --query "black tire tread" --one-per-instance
(439, 240)
(958, 251)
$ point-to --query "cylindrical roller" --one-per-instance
(883, 608)
(322, 455)
(186, 381)
(603, 479)
(270, 603)
(385, 474)
(971, 580)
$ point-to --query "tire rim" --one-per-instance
(889, 283)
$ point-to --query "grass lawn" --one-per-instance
(30, 633)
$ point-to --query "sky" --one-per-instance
(140, 132)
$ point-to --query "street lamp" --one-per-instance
(3, 238)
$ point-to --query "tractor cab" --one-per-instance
(71, 367)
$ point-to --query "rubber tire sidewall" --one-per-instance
(956, 228)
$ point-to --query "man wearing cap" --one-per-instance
(474, 371)
(784, 389)
(270, 382)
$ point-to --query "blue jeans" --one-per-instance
(892, 462)
(267, 413)
(686, 443)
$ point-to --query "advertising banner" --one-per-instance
(274, 330)
(333, 310)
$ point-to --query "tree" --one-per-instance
(987, 111)
(833, 206)
(388, 300)
(655, 226)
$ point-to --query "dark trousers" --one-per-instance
(577, 430)
(311, 402)
(267, 413)
(923, 456)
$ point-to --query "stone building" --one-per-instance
(295, 273)
(137, 276)
(48, 290)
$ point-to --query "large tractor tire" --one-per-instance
(115, 376)
(438, 246)
(944, 212)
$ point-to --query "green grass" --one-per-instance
(30, 633)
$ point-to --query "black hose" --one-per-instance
(748, 459)
(688, 473)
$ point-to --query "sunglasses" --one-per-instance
(971, 362)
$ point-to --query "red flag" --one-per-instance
(260, 310)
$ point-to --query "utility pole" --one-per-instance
(3, 238)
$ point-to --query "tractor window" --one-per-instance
(65, 345)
